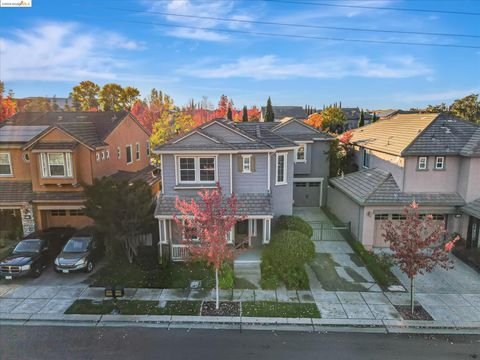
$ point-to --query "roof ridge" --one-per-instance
(388, 176)
(419, 133)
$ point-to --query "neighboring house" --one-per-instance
(46, 156)
(285, 113)
(353, 117)
(430, 158)
(385, 114)
(262, 163)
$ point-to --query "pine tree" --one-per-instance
(361, 120)
(229, 114)
(374, 118)
(245, 114)
(269, 115)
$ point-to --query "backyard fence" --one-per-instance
(326, 231)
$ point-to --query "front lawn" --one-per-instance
(135, 307)
(279, 309)
(171, 275)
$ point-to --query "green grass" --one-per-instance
(241, 283)
(172, 275)
(279, 309)
(135, 307)
(380, 271)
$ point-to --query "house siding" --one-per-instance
(282, 195)
(346, 210)
(255, 182)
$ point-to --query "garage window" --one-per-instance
(398, 217)
(438, 217)
(381, 217)
(314, 184)
(301, 184)
(58, 212)
(77, 212)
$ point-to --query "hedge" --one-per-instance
(294, 223)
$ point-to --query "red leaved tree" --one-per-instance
(417, 245)
(206, 225)
(8, 106)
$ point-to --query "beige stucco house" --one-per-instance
(430, 158)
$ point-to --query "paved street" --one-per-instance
(35, 342)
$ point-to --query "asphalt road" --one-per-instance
(41, 342)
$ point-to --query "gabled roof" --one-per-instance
(281, 112)
(392, 135)
(472, 208)
(378, 187)
(89, 128)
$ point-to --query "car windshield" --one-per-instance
(77, 244)
(28, 246)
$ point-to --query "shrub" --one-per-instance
(147, 257)
(294, 223)
(284, 259)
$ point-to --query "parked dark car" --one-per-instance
(81, 252)
(33, 254)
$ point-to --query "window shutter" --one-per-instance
(43, 165)
(252, 164)
(68, 164)
(239, 163)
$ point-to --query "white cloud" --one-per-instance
(62, 51)
(270, 67)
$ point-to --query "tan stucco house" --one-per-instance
(431, 158)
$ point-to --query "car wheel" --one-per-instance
(90, 266)
(37, 271)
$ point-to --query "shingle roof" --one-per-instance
(248, 204)
(281, 112)
(392, 135)
(55, 145)
(147, 174)
(354, 114)
(90, 128)
(21, 191)
(447, 135)
(472, 208)
(378, 187)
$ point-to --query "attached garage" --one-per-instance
(307, 192)
(68, 216)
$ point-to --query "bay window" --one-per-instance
(197, 169)
(56, 165)
(5, 164)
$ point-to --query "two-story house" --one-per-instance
(46, 156)
(260, 162)
(430, 158)
(285, 113)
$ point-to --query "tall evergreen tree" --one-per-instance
(374, 118)
(245, 114)
(269, 115)
(229, 114)
(361, 120)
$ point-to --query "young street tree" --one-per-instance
(269, 115)
(417, 245)
(210, 221)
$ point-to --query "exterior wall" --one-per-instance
(255, 182)
(294, 128)
(346, 210)
(282, 195)
(432, 180)
(469, 178)
(20, 168)
(391, 163)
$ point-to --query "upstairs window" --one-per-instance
(128, 151)
(56, 165)
(281, 176)
(137, 151)
(5, 164)
(439, 163)
(300, 153)
(366, 158)
(148, 147)
(246, 163)
(119, 152)
(422, 163)
(197, 169)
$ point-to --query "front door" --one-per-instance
(473, 238)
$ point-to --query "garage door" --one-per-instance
(65, 217)
(307, 194)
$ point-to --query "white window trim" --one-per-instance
(420, 162)
(45, 166)
(285, 166)
(304, 160)
(97, 156)
(193, 239)
(137, 151)
(107, 153)
(9, 165)
(365, 153)
(443, 162)
(197, 169)
(249, 170)
(103, 155)
(131, 154)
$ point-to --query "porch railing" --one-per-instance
(179, 252)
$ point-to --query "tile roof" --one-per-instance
(150, 174)
(248, 204)
(21, 191)
(472, 208)
(472, 147)
(281, 112)
(392, 135)
(19, 134)
(55, 145)
(378, 187)
(90, 128)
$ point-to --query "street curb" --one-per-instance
(245, 323)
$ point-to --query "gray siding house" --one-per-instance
(285, 113)
(260, 162)
(430, 158)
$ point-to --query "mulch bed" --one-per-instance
(227, 308)
(419, 313)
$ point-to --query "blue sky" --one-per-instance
(47, 49)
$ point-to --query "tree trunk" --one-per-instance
(217, 304)
(412, 297)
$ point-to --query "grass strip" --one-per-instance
(279, 309)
